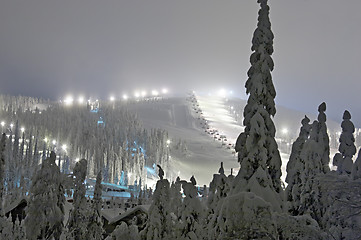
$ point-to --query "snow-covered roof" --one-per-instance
(143, 208)
(111, 213)
(15, 203)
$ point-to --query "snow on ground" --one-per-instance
(216, 112)
(182, 120)
(203, 156)
(221, 114)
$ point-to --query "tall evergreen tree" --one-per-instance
(45, 212)
(347, 145)
(295, 167)
(323, 139)
(159, 219)
(79, 217)
(246, 213)
(257, 149)
(356, 169)
(95, 228)
(316, 164)
(2, 171)
(192, 218)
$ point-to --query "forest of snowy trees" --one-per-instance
(120, 147)
(317, 203)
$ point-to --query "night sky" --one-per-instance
(52, 48)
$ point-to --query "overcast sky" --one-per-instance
(51, 48)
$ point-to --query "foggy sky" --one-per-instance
(51, 48)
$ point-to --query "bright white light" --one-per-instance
(232, 107)
(125, 97)
(45, 139)
(112, 98)
(155, 93)
(144, 93)
(54, 141)
(64, 147)
(11, 125)
(80, 99)
(2, 123)
(76, 159)
(22, 129)
(69, 100)
(222, 92)
(168, 141)
(284, 130)
(164, 91)
(136, 94)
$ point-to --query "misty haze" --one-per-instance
(180, 120)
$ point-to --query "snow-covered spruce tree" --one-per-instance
(295, 167)
(95, 227)
(2, 170)
(219, 189)
(45, 211)
(247, 212)
(347, 145)
(159, 218)
(79, 216)
(323, 139)
(356, 169)
(257, 149)
(192, 218)
(176, 200)
(123, 231)
(313, 154)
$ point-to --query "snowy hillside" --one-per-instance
(182, 118)
(203, 154)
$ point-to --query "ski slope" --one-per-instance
(203, 156)
(183, 119)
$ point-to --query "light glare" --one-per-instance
(155, 93)
(68, 100)
(81, 99)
